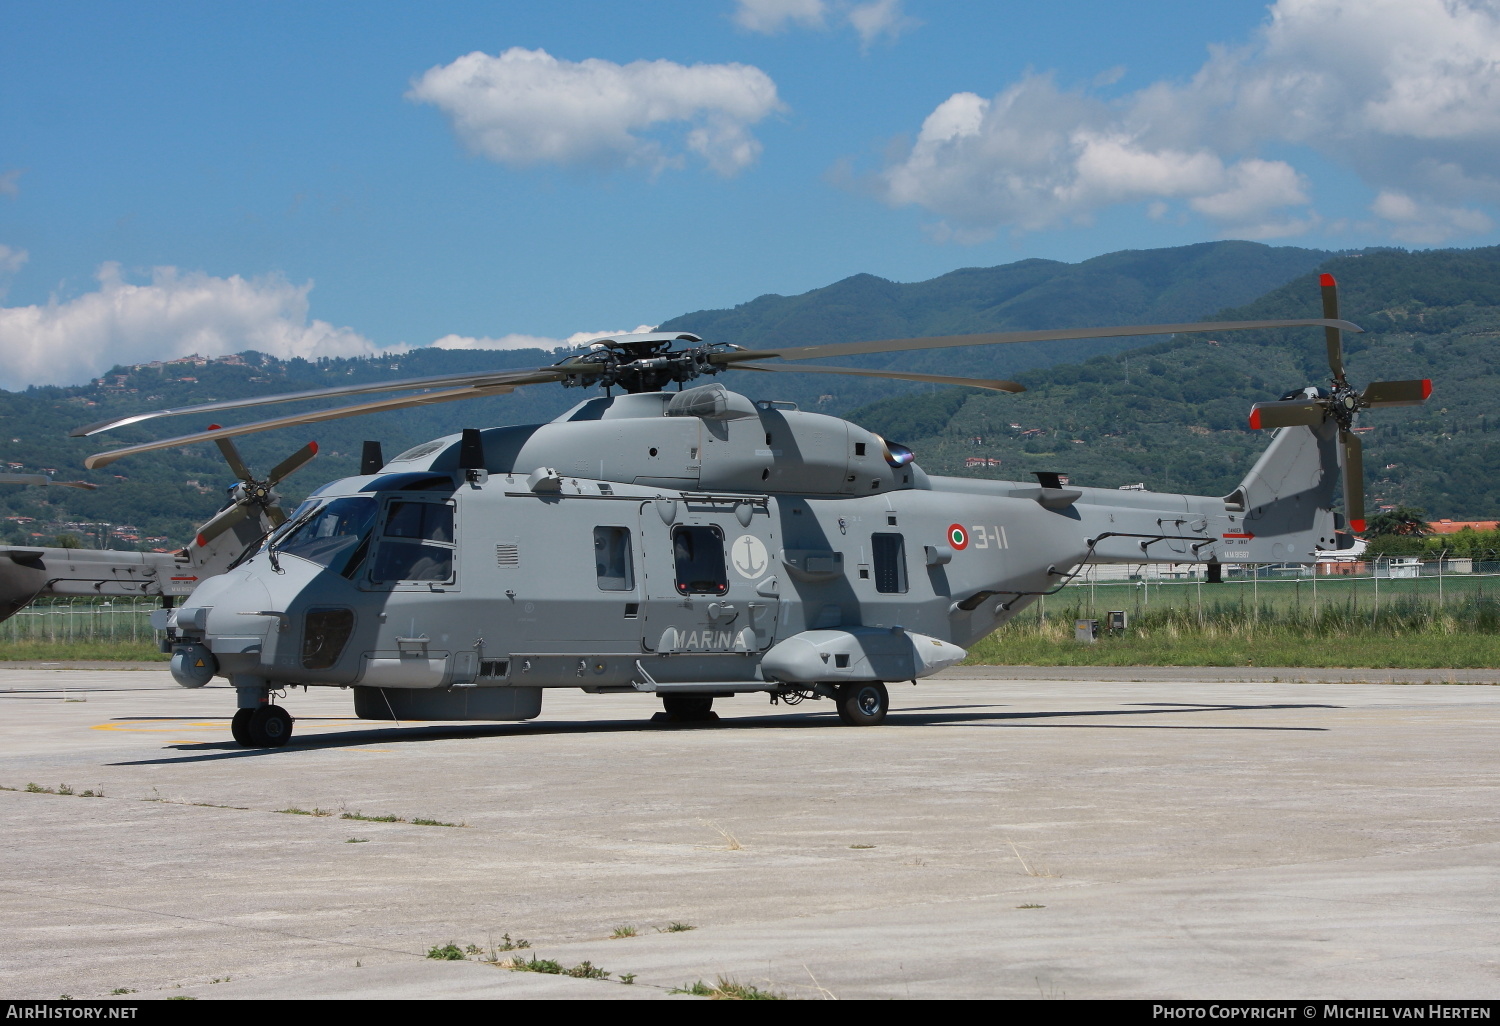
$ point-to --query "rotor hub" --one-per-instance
(646, 366)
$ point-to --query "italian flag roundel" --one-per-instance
(958, 537)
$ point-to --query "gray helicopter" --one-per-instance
(697, 544)
(253, 510)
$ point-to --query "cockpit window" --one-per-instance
(430, 521)
(416, 544)
(334, 535)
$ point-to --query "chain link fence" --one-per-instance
(62, 620)
(1373, 586)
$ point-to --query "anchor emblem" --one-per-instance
(748, 554)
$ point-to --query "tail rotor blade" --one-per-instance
(1333, 335)
(1286, 413)
(222, 521)
(292, 462)
(1397, 393)
(1354, 480)
(232, 456)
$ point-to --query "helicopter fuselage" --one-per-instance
(693, 541)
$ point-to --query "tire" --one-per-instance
(864, 704)
(689, 708)
(240, 726)
(270, 726)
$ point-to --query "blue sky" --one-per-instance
(338, 178)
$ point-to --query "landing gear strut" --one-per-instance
(258, 723)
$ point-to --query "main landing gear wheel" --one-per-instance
(270, 726)
(240, 726)
(688, 709)
(864, 704)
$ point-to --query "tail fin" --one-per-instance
(1290, 489)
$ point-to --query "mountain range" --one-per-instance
(1169, 413)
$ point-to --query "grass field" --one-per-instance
(1278, 623)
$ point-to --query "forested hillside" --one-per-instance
(1173, 415)
(1170, 414)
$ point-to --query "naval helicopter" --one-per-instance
(699, 544)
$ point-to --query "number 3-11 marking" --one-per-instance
(981, 536)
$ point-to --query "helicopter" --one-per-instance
(697, 544)
(251, 512)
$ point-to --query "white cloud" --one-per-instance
(1406, 93)
(12, 259)
(871, 19)
(771, 16)
(526, 108)
(10, 183)
(178, 314)
(879, 18)
(175, 315)
(515, 341)
(1034, 157)
(1427, 224)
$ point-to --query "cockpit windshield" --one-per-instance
(335, 535)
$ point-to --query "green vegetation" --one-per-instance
(675, 927)
(449, 952)
(1173, 415)
(621, 932)
(392, 818)
(35, 788)
(724, 989)
(304, 812)
(82, 649)
(1402, 633)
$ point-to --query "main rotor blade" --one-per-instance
(223, 521)
(1004, 337)
(1286, 413)
(1354, 480)
(293, 462)
(514, 378)
(938, 379)
(231, 454)
(104, 459)
(1397, 393)
(1331, 311)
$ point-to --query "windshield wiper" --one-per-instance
(291, 527)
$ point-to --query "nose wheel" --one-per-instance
(864, 704)
(269, 726)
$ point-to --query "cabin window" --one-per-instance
(699, 554)
(417, 543)
(890, 563)
(612, 562)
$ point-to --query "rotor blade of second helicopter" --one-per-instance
(895, 345)
(937, 379)
(292, 462)
(104, 459)
(231, 455)
(222, 521)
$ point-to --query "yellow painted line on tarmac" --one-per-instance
(143, 726)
